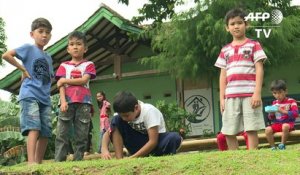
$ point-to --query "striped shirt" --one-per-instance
(239, 63)
(69, 70)
(287, 104)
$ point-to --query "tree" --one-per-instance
(2, 39)
(156, 10)
(188, 45)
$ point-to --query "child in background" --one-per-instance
(104, 110)
(34, 96)
(282, 120)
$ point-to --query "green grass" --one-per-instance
(257, 162)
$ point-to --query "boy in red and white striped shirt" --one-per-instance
(241, 77)
(283, 120)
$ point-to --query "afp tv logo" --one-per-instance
(275, 16)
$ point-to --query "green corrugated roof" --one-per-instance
(10, 78)
(103, 12)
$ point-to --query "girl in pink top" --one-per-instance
(104, 110)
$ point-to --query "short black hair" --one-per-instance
(78, 35)
(234, 13)
(124, 101)
(41, 22)
(277, 85)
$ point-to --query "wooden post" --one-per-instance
(117, 67)
(180, 92)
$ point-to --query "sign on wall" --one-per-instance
(199, 102)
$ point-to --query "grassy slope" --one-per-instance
(231, 162)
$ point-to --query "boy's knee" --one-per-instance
(285, 127)
(175, 136)
(174, 142)
(175, 139)
(269, 130)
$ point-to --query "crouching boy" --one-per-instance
(140, 127)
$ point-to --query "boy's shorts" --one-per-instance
(277, 127)
(239, 116)
(35, 116)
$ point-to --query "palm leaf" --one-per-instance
(9, 135)
(12, 121)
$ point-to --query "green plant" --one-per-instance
(175, 117)
(12, 146)
(11, 141)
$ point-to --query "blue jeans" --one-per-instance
(35, 116)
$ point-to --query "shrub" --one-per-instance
(175, 117)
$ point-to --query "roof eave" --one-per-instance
(102, 12)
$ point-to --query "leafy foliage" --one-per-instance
(15, 151)
(13, 121)
(14, 98)
(156, 10)
(2, 39)
(188, 45)
(11, 140)
(8, 109)
(12, 146)
(13, 155)
(175, 117)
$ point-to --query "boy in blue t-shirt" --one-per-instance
(34, 96)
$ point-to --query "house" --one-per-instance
(116, 56)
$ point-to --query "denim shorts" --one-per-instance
(35, 116)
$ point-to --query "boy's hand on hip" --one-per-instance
(25, 74)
